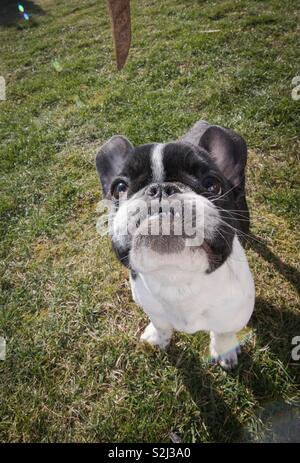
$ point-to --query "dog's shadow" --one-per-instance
(217, 411)
(214, 412)
(275, 328)
(289, 272)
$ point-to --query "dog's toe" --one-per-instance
(229, 360)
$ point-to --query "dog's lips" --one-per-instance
(169, 242)
(158, 231)
(160, 219)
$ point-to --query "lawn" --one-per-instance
(74, 369)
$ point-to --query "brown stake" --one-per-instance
(120, 14)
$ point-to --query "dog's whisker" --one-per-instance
(222, 236)
(249, 238)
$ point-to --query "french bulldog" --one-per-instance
(178, 220)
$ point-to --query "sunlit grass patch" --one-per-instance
(74, 369)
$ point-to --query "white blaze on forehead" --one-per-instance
(157, 163)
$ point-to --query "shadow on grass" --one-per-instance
(215, 413)
(275, 327)
(287, 271)
(11, 16)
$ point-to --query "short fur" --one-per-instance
(207, 286)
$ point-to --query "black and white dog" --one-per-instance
(178, 219)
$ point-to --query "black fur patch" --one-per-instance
(189, 164)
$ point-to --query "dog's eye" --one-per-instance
(212, 185)
(119, 188)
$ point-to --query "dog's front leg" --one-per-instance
(157, 333)
(224, 348)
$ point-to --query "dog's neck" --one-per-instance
(184, 291)
(181, 271)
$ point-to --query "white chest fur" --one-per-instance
(188, 299)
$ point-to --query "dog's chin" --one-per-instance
(150, 251)
(157, 234)
(163, 245)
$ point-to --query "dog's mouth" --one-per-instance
(161, 223)
(166, 233)
(173, 232)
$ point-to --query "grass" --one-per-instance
(74, 369)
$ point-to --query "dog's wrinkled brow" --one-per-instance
(156, 163)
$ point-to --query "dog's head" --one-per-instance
(177, 204)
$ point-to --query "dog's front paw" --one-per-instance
(229, 360)
(156, 337)
(222, 353)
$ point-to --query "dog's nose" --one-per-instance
(162, 190)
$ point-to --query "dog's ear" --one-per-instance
(111, 158)
(229, 152)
